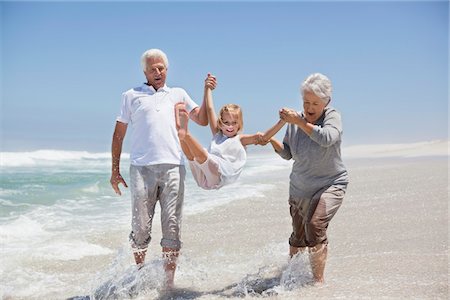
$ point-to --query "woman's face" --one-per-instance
(313, 106)
(230, 125)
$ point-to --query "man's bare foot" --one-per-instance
(168, 284)
(181, 120)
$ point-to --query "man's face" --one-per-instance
(156, 72)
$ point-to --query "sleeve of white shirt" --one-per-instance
(125, 112)
(190, 104)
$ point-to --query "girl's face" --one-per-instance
(313, 106)
(230, 126)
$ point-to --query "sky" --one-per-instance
(64, 65)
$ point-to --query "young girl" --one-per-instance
(223, 162)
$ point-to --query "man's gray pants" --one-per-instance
(148, 185)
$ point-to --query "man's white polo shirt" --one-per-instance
(154, 138)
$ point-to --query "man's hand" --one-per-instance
(210, 82)
(116, 179)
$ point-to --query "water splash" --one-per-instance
(122, 281)
(297, 273)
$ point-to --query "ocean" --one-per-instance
(64, 233)
(57, 208)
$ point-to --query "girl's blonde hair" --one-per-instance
(232, 109)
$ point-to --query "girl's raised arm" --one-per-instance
(210, 83)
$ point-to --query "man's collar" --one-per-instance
(147, 87)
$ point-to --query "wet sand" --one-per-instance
(389, 239)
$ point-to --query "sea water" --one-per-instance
(57, 207)
(63, 233)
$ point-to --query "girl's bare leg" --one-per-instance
(181, 120)
(191, 147)
(199, 153)
(186, 150)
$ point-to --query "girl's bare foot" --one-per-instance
(181, 120)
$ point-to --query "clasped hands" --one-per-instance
(286, 114)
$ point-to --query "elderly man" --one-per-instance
(157, 171)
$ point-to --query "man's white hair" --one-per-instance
(153, 53)
(319, 84)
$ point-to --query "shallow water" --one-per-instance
(64, 234)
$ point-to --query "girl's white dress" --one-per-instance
(226, 159)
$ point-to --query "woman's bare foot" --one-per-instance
(181, 120)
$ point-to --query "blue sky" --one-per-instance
(64, 66)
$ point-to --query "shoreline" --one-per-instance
(389, 238)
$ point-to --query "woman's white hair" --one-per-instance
(153, 53)
(319, 84)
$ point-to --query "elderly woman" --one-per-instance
(318, 179)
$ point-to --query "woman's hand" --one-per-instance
(260, 139)
(289, 115)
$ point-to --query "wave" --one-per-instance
(50, 157)
(58, 157)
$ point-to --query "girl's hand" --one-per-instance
(259, 139)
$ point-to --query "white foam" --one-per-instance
(57, 157)
(12, 204)
(8, 192)
(49, 157)
(24, 283)
(23, 229)
(94, 189)
(69, 250)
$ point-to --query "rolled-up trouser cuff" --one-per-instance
(294, 242)
(139, 244)
(172, 244)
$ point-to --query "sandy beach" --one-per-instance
(389, 240)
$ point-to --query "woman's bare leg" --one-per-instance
(294, 250)
(318, 258)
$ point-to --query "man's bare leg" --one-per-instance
(139, 258)
(170, 264)
(318, 258)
